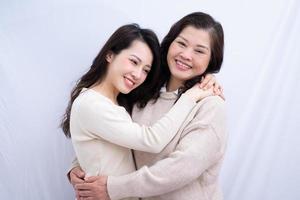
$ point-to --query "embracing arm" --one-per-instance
(99, 119)
(201, 147)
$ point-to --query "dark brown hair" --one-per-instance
(198, 20)
(121, 39)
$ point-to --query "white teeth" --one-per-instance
(183, 64)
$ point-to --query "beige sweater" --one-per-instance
(103, 133)
(188, 168)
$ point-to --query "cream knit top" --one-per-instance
(103, 133)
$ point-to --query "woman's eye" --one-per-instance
(134, 62)
(181, 43)
(198, 51)
(146, 71)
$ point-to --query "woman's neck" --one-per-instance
(173, 84)
(107, 91)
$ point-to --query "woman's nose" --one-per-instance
(186, 54)
(137, 73)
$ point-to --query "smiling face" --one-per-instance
(128, 69)
(188, 55)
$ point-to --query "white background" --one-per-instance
(46, 45)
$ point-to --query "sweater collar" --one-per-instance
(168, 95)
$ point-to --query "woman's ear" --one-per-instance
(109, 57)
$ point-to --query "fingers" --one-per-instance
(87, 198)
(91, 179)
(83, 186)
(101, 179)
(217, 87)
(75, 179)
(85, 193)
(207, 81)
(219, 92)
(76, 176)
(78, 172)
(210, 84)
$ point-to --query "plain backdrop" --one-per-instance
(45, 46)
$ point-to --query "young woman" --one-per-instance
(189, 166)
(101, 129)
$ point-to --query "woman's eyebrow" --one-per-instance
(202, 46)
(183, 38)
(140, 60)
(198, 45)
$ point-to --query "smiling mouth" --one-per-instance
(129, 82)
(182, 65)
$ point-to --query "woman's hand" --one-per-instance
(196, 93)
(210, 81)
(76, 176)
(94, 188)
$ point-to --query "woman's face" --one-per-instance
(189, 54)
(129, 69)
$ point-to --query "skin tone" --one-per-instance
(188, 56)
(136, 63)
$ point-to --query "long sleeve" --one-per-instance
(98, 119)
(201, 146)
(74, 164)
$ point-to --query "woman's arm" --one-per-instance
(202, 145)
(99, 119)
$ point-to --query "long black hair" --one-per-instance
(121, 39)
(201, 21)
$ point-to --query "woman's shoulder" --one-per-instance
(212, 101)
(209, 112)
(89, 99)
(214, 105)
